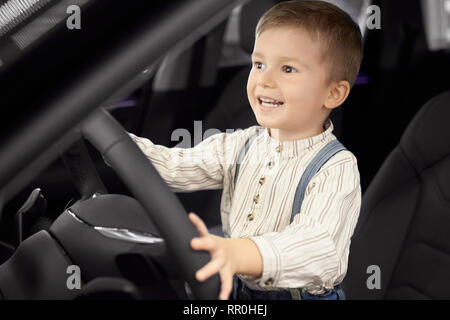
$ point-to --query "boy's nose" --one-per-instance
(266, 80)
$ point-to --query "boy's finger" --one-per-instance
(227, 285)
(205, 243)
(209, 269)
(198, 223)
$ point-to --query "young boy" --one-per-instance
(306, 58)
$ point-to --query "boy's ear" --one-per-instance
(339, 91)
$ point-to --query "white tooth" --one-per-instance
(269, 105)
(269, 100)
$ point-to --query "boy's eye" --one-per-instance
(257, 64)
(289, 69)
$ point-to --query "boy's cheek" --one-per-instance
(249, 91)
(251, 99)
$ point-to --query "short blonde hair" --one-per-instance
(339, 35)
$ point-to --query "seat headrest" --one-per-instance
(250, 14)
(426, 139)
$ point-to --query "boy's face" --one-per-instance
(287, 67)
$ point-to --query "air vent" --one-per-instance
(14, 12)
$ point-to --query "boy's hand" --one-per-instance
(222, 259)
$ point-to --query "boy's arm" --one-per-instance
(247, 257)
(189, 169)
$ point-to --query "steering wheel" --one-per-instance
(160, 203)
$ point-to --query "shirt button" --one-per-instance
(270, 165)
(251, 217)
(269, 282)
(256, 198)
(262, 180)
(279, 148)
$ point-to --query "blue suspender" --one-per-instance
(325, 154)
(243, 152)
(240, 159)
(313, 167)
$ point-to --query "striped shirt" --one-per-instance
(309, 253)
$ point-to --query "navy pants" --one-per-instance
(242, 292)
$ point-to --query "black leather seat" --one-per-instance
(404, 225)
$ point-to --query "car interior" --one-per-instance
(153, 70)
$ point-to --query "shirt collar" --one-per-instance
(297, 147)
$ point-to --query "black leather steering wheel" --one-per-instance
(160, 203)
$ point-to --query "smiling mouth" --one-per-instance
(269, 103)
